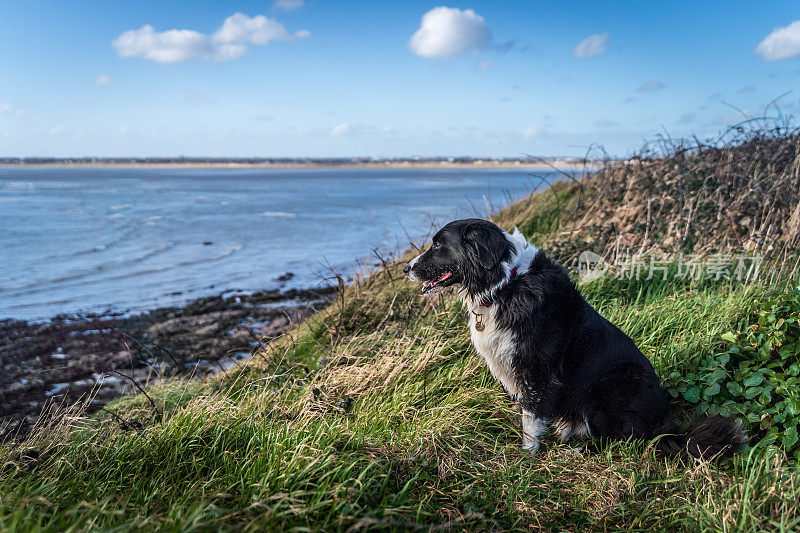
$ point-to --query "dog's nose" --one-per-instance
(406, 269)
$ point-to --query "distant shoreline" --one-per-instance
(488, 164)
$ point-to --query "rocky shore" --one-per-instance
(63, 359)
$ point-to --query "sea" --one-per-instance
(118, 239)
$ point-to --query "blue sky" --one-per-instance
(323, 78)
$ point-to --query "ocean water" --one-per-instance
(129, 239)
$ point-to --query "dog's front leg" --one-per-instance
(533, 427)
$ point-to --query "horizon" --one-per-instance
(295, 79)
(256, 158)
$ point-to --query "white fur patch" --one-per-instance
(532, 430)
(496, 346)
(526, 252)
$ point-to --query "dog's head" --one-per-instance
(468, 252)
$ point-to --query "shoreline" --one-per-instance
(561, 165)
(67, 356)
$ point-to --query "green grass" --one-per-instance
(377, 415)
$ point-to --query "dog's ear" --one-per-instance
(486, 246)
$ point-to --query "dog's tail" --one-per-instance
(716, 437)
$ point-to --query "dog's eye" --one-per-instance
(437, 245)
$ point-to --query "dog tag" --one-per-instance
(479, 326)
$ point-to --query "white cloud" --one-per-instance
(287, 5)
(21, 113)
(240, 29)
(593, 45)
(101, 80)
(651, 86)
(485, 65)
(55, 130)
(782, 43)
(341, 129)
(166, 47)
(4, 108)
(448, 32)
(230, 41)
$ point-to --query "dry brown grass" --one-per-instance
(683, 196)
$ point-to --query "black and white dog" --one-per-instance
(566, 365)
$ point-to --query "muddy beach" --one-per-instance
(64, 358)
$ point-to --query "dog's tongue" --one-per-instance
(430, 284)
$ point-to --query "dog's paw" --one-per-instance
(532, 445)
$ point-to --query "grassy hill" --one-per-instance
(376, 414)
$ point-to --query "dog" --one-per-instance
(568, 367)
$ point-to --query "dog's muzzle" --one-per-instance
(408, 270)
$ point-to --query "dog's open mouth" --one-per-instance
(429, 286)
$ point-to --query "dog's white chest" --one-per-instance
(496, 346)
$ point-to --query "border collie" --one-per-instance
(568, 367)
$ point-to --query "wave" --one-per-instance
(47, 284)
(20, 185)
(94, 249)
(278, 214)
(80, 282)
